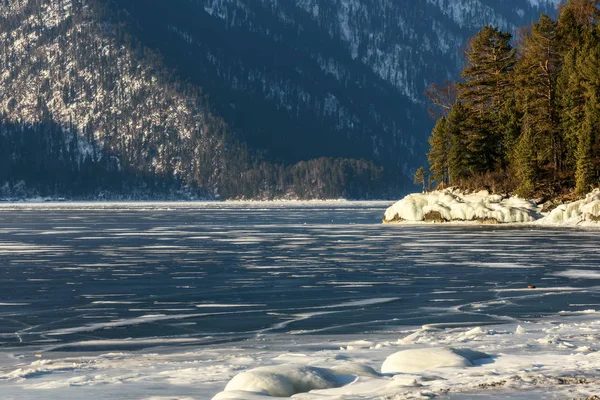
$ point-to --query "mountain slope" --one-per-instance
(268, 86)
(349, 74)
(81, 97)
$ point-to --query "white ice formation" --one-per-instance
(577, 212)
(452, 205)
(288, 379)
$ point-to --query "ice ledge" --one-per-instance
(452, 205)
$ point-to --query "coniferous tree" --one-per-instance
(572, 102)
(486, 88)
(419, 177)
(536, 75)
(438, 155)
(525, 160)
(584, 171)
(589, 69)
(510, 121)
(458, 156)
(545, 135)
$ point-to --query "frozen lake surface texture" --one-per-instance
(311, 300)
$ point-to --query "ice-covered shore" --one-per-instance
(554, 358)
(579, 212)
(525, 360)
(451, 205)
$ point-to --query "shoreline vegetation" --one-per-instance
(525, 117)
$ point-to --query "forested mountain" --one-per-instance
(226, 98)
(525, 117)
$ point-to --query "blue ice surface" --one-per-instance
(225, 272)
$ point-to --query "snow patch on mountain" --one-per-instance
(542, 3)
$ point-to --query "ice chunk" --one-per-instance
(410, 339)
(478, 331)
(355, 370)
(282, 380)
(416, 360)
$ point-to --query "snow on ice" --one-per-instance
(556, 357)
(418, 360)
(283, 380)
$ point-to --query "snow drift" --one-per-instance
(417, 360)
(281, 381)
(452, 205)
(289, 379)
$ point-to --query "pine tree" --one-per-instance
(572, 102)
(525, 160)
(536, 75)
(485, 90)
(584, 172)
(510, 120)
(439, 143)
(547, 134)
(419, 178)
(458, 156)
(577, 25)
(589, 69)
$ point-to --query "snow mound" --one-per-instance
(352, 369)
(239, 395)
(417, 360)
(280, 381)
(452, 205)
(586, 210)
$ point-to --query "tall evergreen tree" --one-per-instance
(525, 161)
(536, 75)
(589, 69)
(572, 104)
(584, 171)
(458, 155)
(547, 133)
(438, 154)
(486, 88)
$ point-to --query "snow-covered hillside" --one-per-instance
(87, 108)
(61, 63)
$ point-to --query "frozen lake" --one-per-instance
(171, 301)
